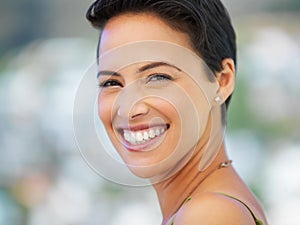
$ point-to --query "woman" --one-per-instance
(163, 111)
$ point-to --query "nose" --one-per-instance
(131, 104)
(133, 111)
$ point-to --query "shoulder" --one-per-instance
(214, 209)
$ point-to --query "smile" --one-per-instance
(141, 140)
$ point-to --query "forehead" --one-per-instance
(129, 28)
(158, 51)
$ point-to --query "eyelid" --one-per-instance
(102, 84)
(164, 75)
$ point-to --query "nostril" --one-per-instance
(136, 115)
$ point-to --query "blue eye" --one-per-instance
(110, 83)
(159, 77)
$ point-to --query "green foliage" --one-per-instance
(287, 5)
(240, 116)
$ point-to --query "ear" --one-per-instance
(226, 79)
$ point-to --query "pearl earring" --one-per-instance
(218, 99)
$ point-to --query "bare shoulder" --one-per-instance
(214, 209)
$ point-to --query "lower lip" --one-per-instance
(147, 146)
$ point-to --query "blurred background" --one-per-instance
(45, 48)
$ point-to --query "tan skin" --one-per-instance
(207, 206)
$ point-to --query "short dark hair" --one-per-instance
(207, 23)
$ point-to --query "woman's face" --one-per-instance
(153, 112)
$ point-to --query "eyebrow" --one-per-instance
(107, 73)
(140, 70)
(154, 65)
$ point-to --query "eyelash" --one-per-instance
(158, 77)
(110, 83)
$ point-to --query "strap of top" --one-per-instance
(257, 221)
(186, 201)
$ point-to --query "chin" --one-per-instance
(153, 172)
(156, 172)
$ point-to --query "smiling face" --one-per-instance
(153, 112)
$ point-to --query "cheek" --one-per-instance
(105, 106)
(201, 105)
(199, 100)
(194, 112)
(164, 108)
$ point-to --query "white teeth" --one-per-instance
(126, 136)
(141, 137)
(151, 133)
(146, 136)
(157, 132)
(132, 138)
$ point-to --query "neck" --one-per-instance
(185, 183)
